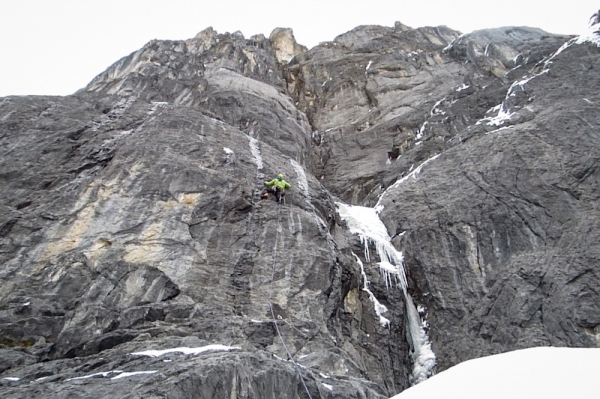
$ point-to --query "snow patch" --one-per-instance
(228, 151)
(542, 372)
(96, 375)
(434, 110)
(125, 375)
(463, 87)
(421, 132)
(11, 378)
(328, 386)
(186, 350)
(499, 130)
(502, 117)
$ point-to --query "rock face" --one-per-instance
(131, 218)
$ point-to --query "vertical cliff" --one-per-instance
(139, 260)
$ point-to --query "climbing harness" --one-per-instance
(271, 300)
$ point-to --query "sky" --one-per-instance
(57, 47)
(524, 374)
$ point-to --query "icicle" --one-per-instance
(378, 307)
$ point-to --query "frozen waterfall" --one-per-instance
(366, 224)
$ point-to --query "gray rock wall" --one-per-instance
(131, 218)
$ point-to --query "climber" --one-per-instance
(276, 186)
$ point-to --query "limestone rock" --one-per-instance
(131, 217)
(284, 44)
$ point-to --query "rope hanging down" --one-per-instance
(271, 303)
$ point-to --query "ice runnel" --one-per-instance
(255, 152)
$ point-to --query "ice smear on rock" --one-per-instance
(256, 153)
(302, 182)
(394, 186)
(422, 356)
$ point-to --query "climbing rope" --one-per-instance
(271, 302)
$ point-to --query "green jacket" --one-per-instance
(282, 184)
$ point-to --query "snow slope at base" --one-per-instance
(524, 374)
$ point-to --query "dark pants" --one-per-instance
(279, 193)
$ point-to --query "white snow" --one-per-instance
(27, 304)
(463, 87)
(186, 350)
(102, 374)
(544, 372)
(433, 110)
(419, 135)
(591, 35)
(125, 375)
(499, 119)
(330, 387)
(11, 378)
(499, 130)
(228, 151)
(522, 83)
(363, 221)
(255, 153)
